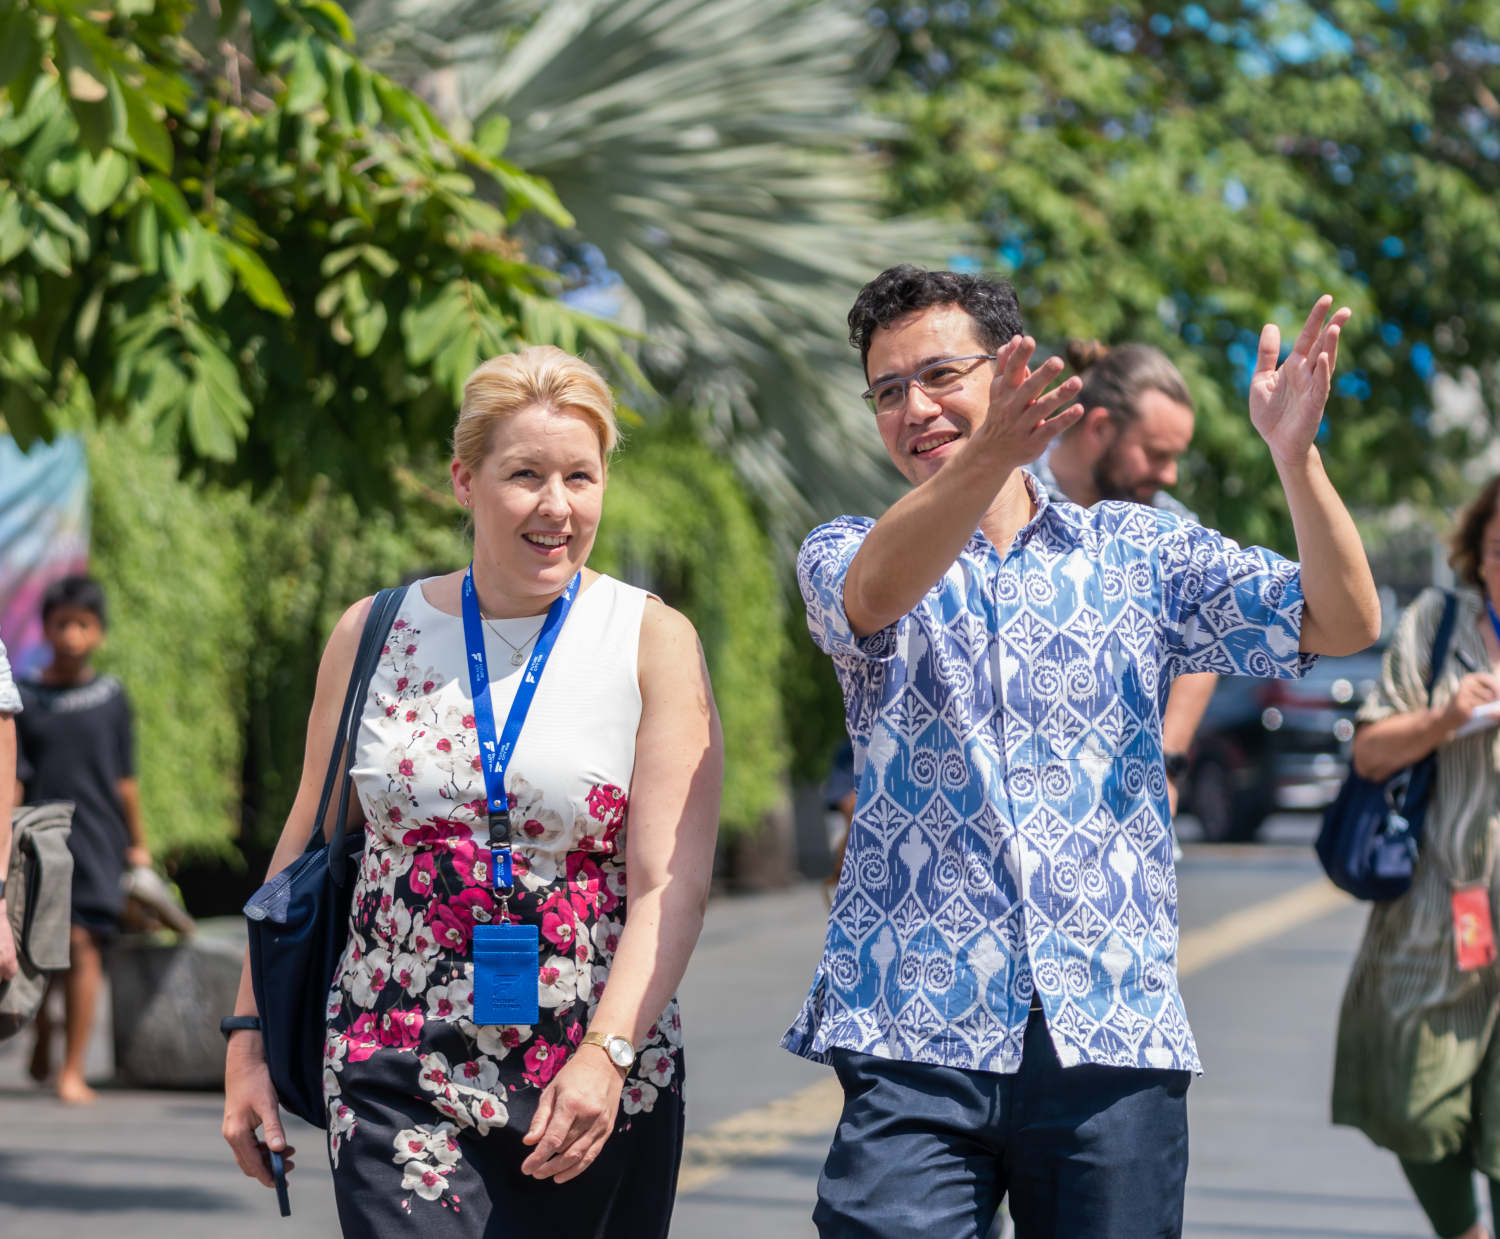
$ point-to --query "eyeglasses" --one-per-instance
(938, 379)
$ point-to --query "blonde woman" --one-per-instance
(571, 1126)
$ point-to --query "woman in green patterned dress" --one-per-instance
(1417, 1068)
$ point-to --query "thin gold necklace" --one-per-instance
(518, 656)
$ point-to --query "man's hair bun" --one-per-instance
(1082, 354)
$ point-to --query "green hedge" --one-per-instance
(677, 521)
(172, 560)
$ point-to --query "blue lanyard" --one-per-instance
(1494, 619)
(496, 754)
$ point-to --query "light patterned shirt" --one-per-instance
(1011, 832)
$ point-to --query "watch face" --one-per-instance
(620, 1052)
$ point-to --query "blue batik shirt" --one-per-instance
(1011, 833)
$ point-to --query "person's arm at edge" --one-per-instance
(129, 792)
(250, 1098)
(1340, 608)
(669, 849)
(1187, 700)
(917, 540)
(1384, 747)
(9, 795)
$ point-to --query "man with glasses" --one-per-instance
(998, 991)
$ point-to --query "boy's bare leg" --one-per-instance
(41, 1052)
(84, 977)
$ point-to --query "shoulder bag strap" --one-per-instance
(383, 614)
(1441, 640)
(315, 840)
(352, 705)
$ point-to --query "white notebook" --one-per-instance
(1483, 718)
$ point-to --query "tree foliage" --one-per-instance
(717, 155)
(1182, 174)
(238, 233)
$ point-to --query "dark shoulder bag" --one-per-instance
(1368, 844)
(299, 920)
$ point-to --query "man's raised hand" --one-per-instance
(1286, 402)
(1021, 419)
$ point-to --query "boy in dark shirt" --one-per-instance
(74, 743)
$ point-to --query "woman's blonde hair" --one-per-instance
(542, 375)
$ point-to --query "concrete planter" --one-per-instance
(168, 998)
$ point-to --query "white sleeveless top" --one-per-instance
(579, 735)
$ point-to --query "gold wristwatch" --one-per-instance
(621, 1052)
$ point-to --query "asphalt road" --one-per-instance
(1265, 1161)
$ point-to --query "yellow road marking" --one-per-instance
(770, 1129)
(757, 1133)
(1198, 948)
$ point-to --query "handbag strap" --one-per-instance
(1441, 640)
(378, 622)
(388, 602)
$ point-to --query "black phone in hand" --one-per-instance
(278, 1172)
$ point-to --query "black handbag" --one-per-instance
(299, 920)
(1371, 833)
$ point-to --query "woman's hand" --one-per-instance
(249, 1102)
(1381, 749)
(574, 1117)
(1473, 690)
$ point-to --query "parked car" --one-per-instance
(1267, 746)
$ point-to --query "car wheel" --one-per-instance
(1212, 801)
(1227, 814)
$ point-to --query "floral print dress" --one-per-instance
(426, 1108)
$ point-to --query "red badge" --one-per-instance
(1473, 931)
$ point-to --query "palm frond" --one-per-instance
(717, 152)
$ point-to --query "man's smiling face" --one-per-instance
(925, 433)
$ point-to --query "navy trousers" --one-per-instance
(927, 1152)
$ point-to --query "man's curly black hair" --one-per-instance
(990, 302)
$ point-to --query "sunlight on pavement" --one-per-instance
(762, 1132)
(1198, 948)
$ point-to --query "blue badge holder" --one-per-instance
(507, 959)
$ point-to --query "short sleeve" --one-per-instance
(822, 566)
(1407, 665)
(1226, 609)
(10, 696)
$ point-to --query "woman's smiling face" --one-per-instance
(536, 500)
